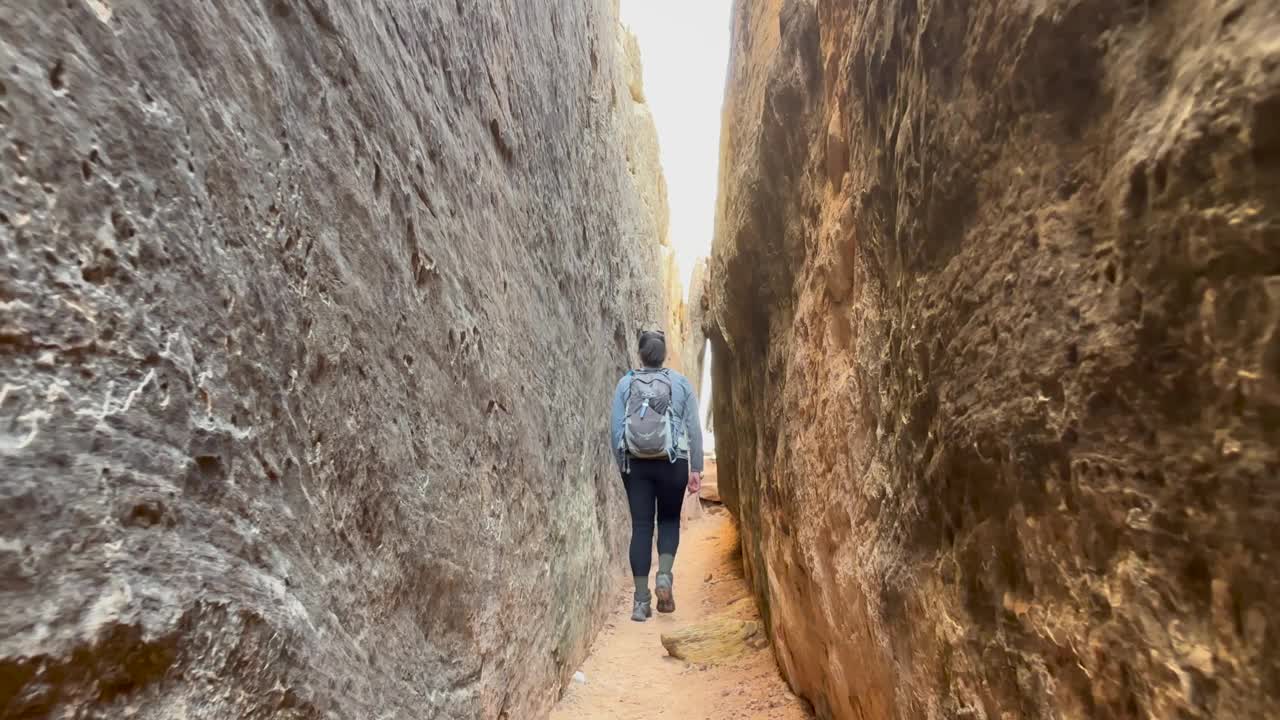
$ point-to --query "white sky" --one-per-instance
(684, 46)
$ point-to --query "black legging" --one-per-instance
(651, 483)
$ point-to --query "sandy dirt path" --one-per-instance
(630, 675)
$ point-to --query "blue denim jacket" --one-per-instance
(684, 406)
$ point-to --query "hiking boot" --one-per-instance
(642, 611)
(662, 588)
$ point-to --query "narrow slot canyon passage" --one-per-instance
(351, 350)
(716, 666)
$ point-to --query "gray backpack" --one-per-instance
(647, 425)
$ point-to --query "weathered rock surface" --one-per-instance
(307, 317)
(675, 321)
(684, 319)
(721, 638)
(996, 329)
(694, 329)
(641, 153)
(710, 489)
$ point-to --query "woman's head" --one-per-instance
(653, 348)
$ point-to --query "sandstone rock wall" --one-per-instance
(996, 324)
(675, 321)
(695, 334)
(309, 314)
(685, 318)
(640, 147)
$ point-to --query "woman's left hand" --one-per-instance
(695, 482)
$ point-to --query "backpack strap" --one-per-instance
(626, 397)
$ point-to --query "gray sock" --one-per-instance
(665, 563)
(642, 588)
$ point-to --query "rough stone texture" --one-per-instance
(694, 331)
(684, 319)
(309, 315)
(721, 638)
(640, 146)
(710, 489)
(675, 322)
(996, 323)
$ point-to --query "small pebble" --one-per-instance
(580, 677)
(708, 578)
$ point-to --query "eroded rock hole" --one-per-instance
(209, 466)
(1160, 176)
(96, 274)
(500, 140)
(123, 226)
(1137, 197)
(58, 77)
(147, 514)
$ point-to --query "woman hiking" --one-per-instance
(657, 441)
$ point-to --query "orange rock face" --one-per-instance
(710, 482)
(996, 353)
